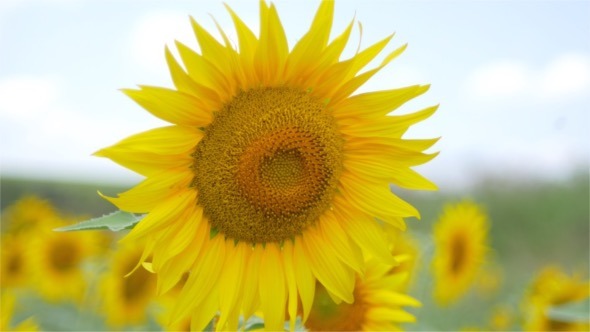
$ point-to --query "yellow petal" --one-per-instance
(170, 105)
(202, 280)
(145, 163)
(230, 291)
(247, 44)
(367, 234)
(150, 192)
(350, 85)
(291, 283)
(184, 261)
(250, 298)
(347, 251)
(208, 309)
(169, 211)
(272, 49)
(304, 277)
(204, 72)
(375, 199)
(389, 314)
(164, 140)
(377, 104)
(272, 290)
(386, 297)
(336, 277)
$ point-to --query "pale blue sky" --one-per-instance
(512, 78)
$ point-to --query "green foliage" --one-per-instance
(116, 221)
(576, 312)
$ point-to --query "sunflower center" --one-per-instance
(63, 256)
(458, 252)
(14, 264)
(326, 315)
(136, 286)
(268, 165)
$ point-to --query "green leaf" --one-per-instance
(571, 312)
(255, 326)
(116, 221)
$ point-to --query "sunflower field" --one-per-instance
(281, 191)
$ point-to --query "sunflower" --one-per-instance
(553, 287)
(14, 267)
(460, 240)
(27, 214)
(405, 249)
(272, 173)
(57, 261)
(127, 291)
(377, 305)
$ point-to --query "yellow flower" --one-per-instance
(126, 297)
(377, 304)
(273, 173)
(502, 318)
(14, 265)
(405, 250)
(27, 214)
(6, 315)
(57, 260)
(553, 287)
(460, 241)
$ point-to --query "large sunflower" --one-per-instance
(377, 303)
(272, 174)
(460, 240)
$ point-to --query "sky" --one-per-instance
(512, 79)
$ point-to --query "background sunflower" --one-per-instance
(460, 240)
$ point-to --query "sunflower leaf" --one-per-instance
(116, 221)
(571, 312)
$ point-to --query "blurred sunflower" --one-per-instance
(553, 287)
(126, 295)
(14, 267)
(460, 241)
(405, 250)
(377, 305)
(57, 261)
(8, 301)
(27, 214)
(272, 173)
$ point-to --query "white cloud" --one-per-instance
(24, 97)
(500, 79)
(567, 75)
(37, 122)
(155, 30)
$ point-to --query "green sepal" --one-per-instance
(213, 232)
(574, 312)
(116, 221)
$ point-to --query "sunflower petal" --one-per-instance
(202, 280)
(273, 293)
(171, 105)
(169, 211)
(150, 192)
(304, 277)
(231, 279)
(291, 283)
(336, 277)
